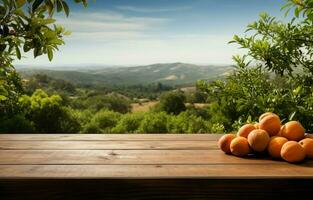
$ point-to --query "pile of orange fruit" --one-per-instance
(288, 142)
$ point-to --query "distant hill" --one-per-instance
(170, 74)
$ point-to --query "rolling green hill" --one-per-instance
(169, 74)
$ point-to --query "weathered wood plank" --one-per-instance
(126, 157)
(218, 171)
(98, 137)
(107, 145)
(139, 167)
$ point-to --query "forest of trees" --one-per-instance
(50, 105)
(276, 74)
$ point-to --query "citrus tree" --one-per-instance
(26, 26)
(276, 73)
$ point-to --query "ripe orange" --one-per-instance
(292, 152)
(239, 146)
(307, 144)
(275, 145)
(245, 130)
(258, 140)
(280, 131)
(293, 131)
(265, 115)
(224, 142)
(271, 124)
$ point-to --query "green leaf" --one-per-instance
(297, 91)
(18, 52)
(47, 21)
(36, 4)
(26, 47)
(66, 8)
(3, 98)
(56, 41)
(36, 52)
(50, 54)
(297, 11)
(59, 6)
(50, 8)
(85, 3)
(292, 115)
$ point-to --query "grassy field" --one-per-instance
(143, 107)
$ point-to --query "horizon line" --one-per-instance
(115, 65)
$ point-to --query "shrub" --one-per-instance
(187, 123)
(47, 113)
(70, 122)
(114, 102)
(154, 122)
(82, 116)
(16, 124)
(102, 122)
(10, 91)
(92, 127)
(172, 103)
(129, 123)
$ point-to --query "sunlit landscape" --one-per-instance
(154, 67)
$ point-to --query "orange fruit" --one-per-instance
(245, 130)
(271, 124)
(280, 131)
(293, 131)
(274, 146)
(224, 142)
(265, 115)
(307, 144)
(239, 146)
(258, 140)
(292, 152)
(256, 126)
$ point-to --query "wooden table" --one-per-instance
(59, 166)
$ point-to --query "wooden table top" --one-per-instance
(139, 156)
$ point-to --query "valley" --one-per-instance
(172, 74)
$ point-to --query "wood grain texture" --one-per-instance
(134, 166)
(114, 137)
(218, 171)
(125, 157)
(107, 145)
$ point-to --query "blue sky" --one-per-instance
(139, 32)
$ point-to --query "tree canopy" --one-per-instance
(25, 26)
(276, 73)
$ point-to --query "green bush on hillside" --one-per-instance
(154, 122)
(114, 102)
(102, 122)
(47, 113)
(275, 74)
(172, 103)
(187, 123)
(129, 123)
(17, 124)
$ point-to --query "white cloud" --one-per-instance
(109, 25)
(205, 49)
(105, 36)
(117, 39)
(153, 10)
